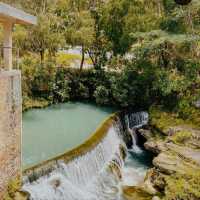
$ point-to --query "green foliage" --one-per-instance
(184, 187)
(13, 186)
(131, 88)
(101, 95)
(162, 119)
(160, 37)
(29, 103)
(61, 89)
(46, 35)
(174, 61)
(122, 17)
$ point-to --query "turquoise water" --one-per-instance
(56, 129)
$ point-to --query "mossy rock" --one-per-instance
(185, 187)
(135, 193)
(13, 190)
(181, 137)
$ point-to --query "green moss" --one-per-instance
(181, 137)
(163, 119)
(66, 60)
(13, 186)
(184, 187)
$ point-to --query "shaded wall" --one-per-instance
(10, 127)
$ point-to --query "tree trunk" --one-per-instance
(42, 56)
(83, 58)
(91, 58)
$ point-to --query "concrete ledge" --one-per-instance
(15, 15)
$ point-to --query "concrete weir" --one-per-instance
(44, 168)
(10, 127)
(87, 172)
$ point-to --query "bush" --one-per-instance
(184, 187)
(101, 95)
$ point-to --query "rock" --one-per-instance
(170, 163)
(147, 186)
(178, 156)
(186, 153)
(55, 183)
(197, 104)
(147, 134)
(135, 193)
(155, 198)
(21, 196)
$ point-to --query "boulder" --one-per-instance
(156, 198)
(155, 146)
(147, 134)
(197, 104)
(135, 193)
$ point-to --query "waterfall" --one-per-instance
(134, 121)
(96, 175)
(93, 176)
(137, 120)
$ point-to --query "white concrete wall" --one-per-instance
(10, 127)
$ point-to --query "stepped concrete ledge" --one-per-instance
(15, 15)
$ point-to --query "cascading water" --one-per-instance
(134, 121)
(88, 177)
(133, 172)
(97, 175)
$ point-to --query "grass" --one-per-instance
(66, 60)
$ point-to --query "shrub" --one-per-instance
(101, 95)
(184, 187)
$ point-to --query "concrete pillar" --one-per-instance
(10, 127)
(7, 44)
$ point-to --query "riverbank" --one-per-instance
(176, 171)
(30, 103)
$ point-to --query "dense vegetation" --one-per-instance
(153, 52)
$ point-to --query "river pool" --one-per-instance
(56, 129)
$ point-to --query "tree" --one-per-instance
(45, 36)
(122, 17)
(81, 32)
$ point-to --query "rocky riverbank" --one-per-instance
(176, 171)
